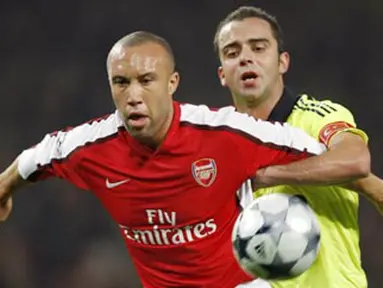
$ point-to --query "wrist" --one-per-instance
(279, 175)
(262, 178)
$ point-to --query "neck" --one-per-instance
(155, 141)
(164, 128)
(260, 107)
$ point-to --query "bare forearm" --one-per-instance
(371, 187)
(348, 159)
(333, 167)
(10, 180)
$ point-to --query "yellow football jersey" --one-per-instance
(339, 261)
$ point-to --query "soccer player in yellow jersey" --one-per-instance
(250, 48)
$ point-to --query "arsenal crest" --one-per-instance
(204, 171)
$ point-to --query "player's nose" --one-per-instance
(134, 95)
(246, 57)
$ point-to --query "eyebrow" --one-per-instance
(151, 74)
(115, 77)
(251, 40)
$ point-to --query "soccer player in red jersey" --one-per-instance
(166, 172)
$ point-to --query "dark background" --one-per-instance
(52, 71)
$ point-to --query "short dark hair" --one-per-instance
(142, 37)
(245, 12)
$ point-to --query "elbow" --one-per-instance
(362, 165)
(363, 171)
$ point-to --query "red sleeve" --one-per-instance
(261, 143)
(59, 153)
(49, 159)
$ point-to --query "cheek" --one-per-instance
(163, 106)
(114, 96)
(152, 103)
(118, 99)
(229, 71)
(271, 64)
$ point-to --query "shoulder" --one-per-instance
(231, 122)
(62, 144)
(201, 115)
(95, 128)
(324, 118)
(320, 108)
(93, 131)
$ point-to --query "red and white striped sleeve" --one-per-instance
(258, 143)
(56, 155)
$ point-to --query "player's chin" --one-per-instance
(250, 93)
(140, 135)
(138, 130)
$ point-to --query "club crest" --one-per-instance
(204, 171)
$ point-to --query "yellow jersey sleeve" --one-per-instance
(336, 119)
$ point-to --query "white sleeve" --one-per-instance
(52, 156)
(264, 133)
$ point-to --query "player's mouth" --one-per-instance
(137, 120)
(249, 79)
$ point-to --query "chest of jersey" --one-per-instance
(191, 185)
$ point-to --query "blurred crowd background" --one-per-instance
(52, 75)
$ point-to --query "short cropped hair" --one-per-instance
(142, 37)
(245, 12)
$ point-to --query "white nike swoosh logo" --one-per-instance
(111, 185)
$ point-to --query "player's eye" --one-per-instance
(119, 80)
(260, 46)
(146, 80)
(231, 53)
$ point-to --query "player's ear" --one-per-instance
(221, 76)
(173, 83)
(284, 62)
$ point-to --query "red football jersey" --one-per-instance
(175, 206)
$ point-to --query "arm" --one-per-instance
(279, 145)
(55, 156)
(33, 164)
(370, 187)
(348, 158)
(10, 180)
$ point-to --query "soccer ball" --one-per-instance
(276, 237)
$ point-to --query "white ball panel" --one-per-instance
(273, 203)
(315, 227)
(298, 219)
(291, 246)
(250, 223)
(261, 249)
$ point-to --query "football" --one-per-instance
(276, 237)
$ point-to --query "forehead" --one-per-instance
(244, 30)
(143, 58)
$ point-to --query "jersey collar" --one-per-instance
(284, 106)
(166, 144)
